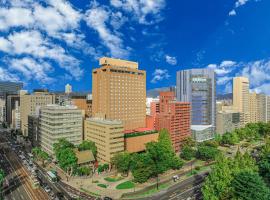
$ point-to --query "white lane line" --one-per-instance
(185, 192)
(18, 176)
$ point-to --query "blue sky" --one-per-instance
(49, 43)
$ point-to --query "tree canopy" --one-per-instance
(88, 145)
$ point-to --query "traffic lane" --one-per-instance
(180, 187)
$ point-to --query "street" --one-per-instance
(19, 186)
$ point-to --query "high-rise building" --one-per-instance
(57, 122)
(119, 89)
(33, 130)
(107, 135)
(241, 98)
(267, 108)
(29, 105)
(11, 103)
(227, 121)
(175, 117)
(198, 86)
(2, 110)
(257, 107)
(16, 116)
(68, 89)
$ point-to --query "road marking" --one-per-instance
(185, 191)
(19, 178)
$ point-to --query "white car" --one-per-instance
(47, 189)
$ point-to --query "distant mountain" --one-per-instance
(224, 96)
(153, 93)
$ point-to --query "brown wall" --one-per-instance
(137, 144)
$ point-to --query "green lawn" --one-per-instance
(125, 185)
(102, 185)
(113, 179)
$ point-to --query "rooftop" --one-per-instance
(105, 121)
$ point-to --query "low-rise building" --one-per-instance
(135, 140)
(107, 135)
(227, 121)
(57, 122)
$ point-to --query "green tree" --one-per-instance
(230, 138)
(88, 145)
(122, 162)
(207, 153)
(141, 167)
(67, 160)
(187, 153)
(2, 177)
(62, 144)
(249, 186)
(40, 155)
(188, 141)
(217, 184)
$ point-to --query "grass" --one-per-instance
(102, 185)
(91, 193)
(113, 179)
(125, 185)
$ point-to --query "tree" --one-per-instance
(188, 141)
(62, 144)
(217, 184)
(88, 145)
(141, 167)
(40, 155)
(207, 153)
(230, 138)
(67, 160)
(2, 177)
(187, 153)
(122, 162)
(249, 186)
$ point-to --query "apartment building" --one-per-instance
(119, 89)
(107, 135)
(56, 122)
(30, 103)
(175, 117)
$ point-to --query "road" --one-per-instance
(20, 186)
(187, 189)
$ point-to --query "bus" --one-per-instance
(51, 176)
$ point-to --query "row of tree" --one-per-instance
(252, 131)
(242, 177)
(157, 159)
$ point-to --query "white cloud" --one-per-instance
(159, 75)
(144, 11)
(171, 60)
(225, 67)
(32, 69)
(97, 18)
(238, 3)
(232, 13)
(5, 75)
(14, 17)
(32, 43)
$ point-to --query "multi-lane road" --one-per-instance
(18, 185)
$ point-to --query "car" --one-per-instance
(47, 189)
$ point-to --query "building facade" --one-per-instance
(241, 98)
(11, 103)
(68, 89)
(119, 89)
(227, 121)
(57, 122)
(33, 130)
(198, 86)
(107, 135)
(16, 117)
(82, 103)
(2, 109)
(29, 105)
(175, 117)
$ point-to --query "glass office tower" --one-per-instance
(198, 86)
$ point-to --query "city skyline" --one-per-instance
(53, 55)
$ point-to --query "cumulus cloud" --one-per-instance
(97, 18)
(159, 75)
(258, 73)
(238, 3)
(144, 11)
(5, 75)
(171, 60)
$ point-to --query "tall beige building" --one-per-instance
(29, 104)
(241, 98)
(258, 107)
(119, 92)
(56, 122)
(267, 108)
(108, 136)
